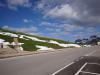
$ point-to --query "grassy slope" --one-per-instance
(29, 45)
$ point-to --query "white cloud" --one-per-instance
(86, 32)
(49, 29)
(71, 27)
(40, 5)
(31, 30)
(25, 20)
(63, 11)
(44, 23)
(13, 4)
(60, 29)
(50, 25)
(27, 29)
(91, 30)
(6, 27)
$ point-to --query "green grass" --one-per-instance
(6, 38)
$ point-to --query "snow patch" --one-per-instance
(64, 45)
(87, 45)
(73, 45)
(21, 36)
(13, 43)
(43, 48)
(54, 42)
(2, 33)
(6, 43)
(35, 39)
(10, 34)
(2, 40)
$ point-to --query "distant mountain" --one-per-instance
(32, 42)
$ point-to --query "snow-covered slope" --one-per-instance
(31, 43)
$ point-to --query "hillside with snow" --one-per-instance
(31, 42)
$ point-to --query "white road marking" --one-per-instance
(81, 57)
(80, 69)
(94, 63)
(90, 73)
(62, 68)
(72, 63)
(89, 54)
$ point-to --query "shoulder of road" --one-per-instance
(24, 53)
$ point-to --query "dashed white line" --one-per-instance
(89, 54)
(62, 68)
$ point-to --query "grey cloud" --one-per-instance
(91, 6)
(81, 10)
(13, 4)
(88, 10)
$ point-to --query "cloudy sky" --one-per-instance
(63, 19)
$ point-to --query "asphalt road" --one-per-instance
(44, 63)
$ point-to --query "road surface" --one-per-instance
(44, 63)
